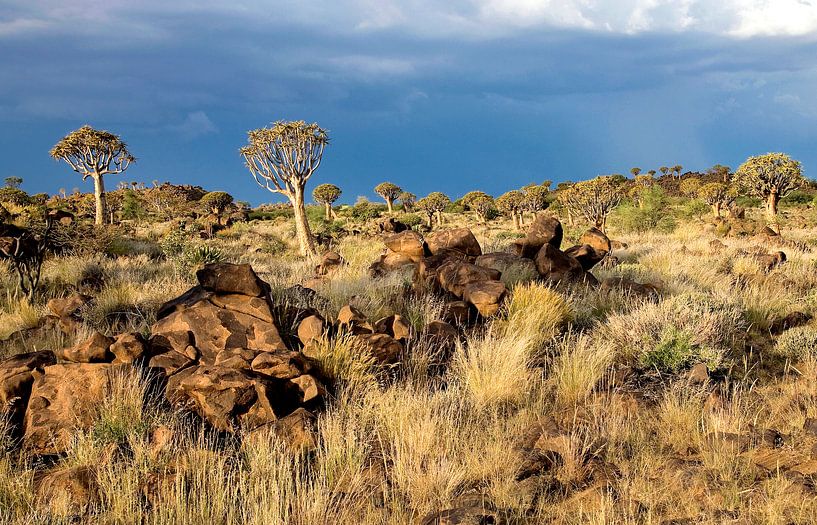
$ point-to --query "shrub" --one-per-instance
(678, 332)
(797, 343)
(196, 257)
(651, 215)
(411, 219)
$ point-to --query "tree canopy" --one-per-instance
(326, 193)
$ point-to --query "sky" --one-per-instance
(449, 96)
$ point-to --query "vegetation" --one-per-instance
(433, 205)
(326, 194)
(390, 192)
(593, 199)
(771, 177)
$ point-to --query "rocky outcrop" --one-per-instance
(459, 239)
(16, 380)
(557, 267)
(544, 230)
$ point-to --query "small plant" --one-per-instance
(197, 257)
(797, 343)
(673, 352)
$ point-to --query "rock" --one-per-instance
(185, 300)
(280, 364)
(390, 225)
(383, 347)
(618, 245)
(351, 319)
(791, 320)
(768, 262)
(128, 347)
(389, 262)
(16, 379)
(395, 326)
(698, 375)
(68, 491)
(68, 306)
(297, 430)
(441, 333)
(310, 389)
(768, 232)
(310, 328)
(161, 441)
(467, 513)
(408, 243)
(587, 256)
(454, 276)
(457, 313)
(597, 240)
(228, 278)
(459, 239)
(507, 263)
(95, 349)
(737, 212)
(543, 230)
(64, 398)
(630, 286)
(486, 296)
(257, 307)
(554, 265)
(330, 261)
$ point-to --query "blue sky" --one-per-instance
(449, 96)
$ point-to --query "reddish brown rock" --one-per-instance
(281, 365)
(68, 306)
(506, 262)
(543, 230)
(458, 313)
(72, 491)
(554, 265)
(16, 379)
(227, 278)
(486, 296)
(587, 256)
(408, 243)
(128, 347)
(441, 335)
(459, 239)
(330, 261)
(395, 326)
(257, 307)
(384, 348)
(310, 328)
(453, 277)
(95, 349)
(297, 430)
(597, 240)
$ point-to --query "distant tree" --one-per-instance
(326, 194)
(433, 205)
(536, 197)
(593, 199)
(131, 205)
(13, 182)
(689, 186)
(651, 173)
(217, 202)
(641, 184)
(282, 158)
(389, 192)
(14, 196)
(94, 153)
(512, 203)
(771, 177)
(664, 170)
(408, 200)
(721, 172)
(480, 202)
(717, 195)
(677, 169)
(635, 171)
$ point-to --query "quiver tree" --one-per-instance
(717, 195)
(282, 158)
(94, 153)
(723, 173)
(216, 202)
(536, 197)
(593, 199)
(433, 205)
(326, 194)
(13, 182)
(690, 186)
(389, 192)
(677, 169)
(408, 200)
(635, 171)
(512, 203)
(480, 202)
(771, 177)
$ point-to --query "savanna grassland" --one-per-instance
(678, 385)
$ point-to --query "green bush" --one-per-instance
(411, 219)
(797, 198)
(652, 215)
(796, 343)
(748, 202)
(198, 256)
(673, 352)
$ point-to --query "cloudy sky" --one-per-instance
(448, 95)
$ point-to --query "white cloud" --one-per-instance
(195, 125)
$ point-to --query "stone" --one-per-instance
(389, 262)
(352, 319)
(543, 230)
(95, 349)
(384, 348)
(71, 491)
(161, 441)
(618, 245)
(297, 430)
(698, 375)
(554, 265)
(64, 398)
(390, 225)
(597, 240)
(486, 296)
(441, 335)
(468, 513)
(228, 278)
(330, 261)
(459, 239)
(280, 365)
(257, 307)
(311, 328)
(457, 313)
(185, 300)
(16, 379)
(587, 256)
(454, 276)
(507, 263)
(311, 390)
(128, 347)
(68, 306)
(395, 326)
(769, 262)
(407, 243)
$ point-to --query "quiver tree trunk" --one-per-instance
(771, 205)
(305, 239)
(100, 200)
(515, 217)
(328, 207)
(439, 218)
(429, 219)
(716, 209)
(390, 205)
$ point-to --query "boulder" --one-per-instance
(587, 256)
(486, 296)
(16, 379)
(257, 307)
(395, 326)
(72, 491)
(185, 300)
(68, 306)
(95, 349)
(128, 347)
(389, 262)
(543, 230)
(454, 276)
(506, 263)
(390, 225)
(330, 261)
(228, 278)
(297, 430)
(64, 398)
(280, 365)
(408, 243)
(618, 245)
(350, 318)
(459, 239)
(310, 328)
(554, 265)
(383, 347)
(597, 240)
(457, 313)
(441, 335)
(769, 262)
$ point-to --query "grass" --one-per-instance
(395, 445)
